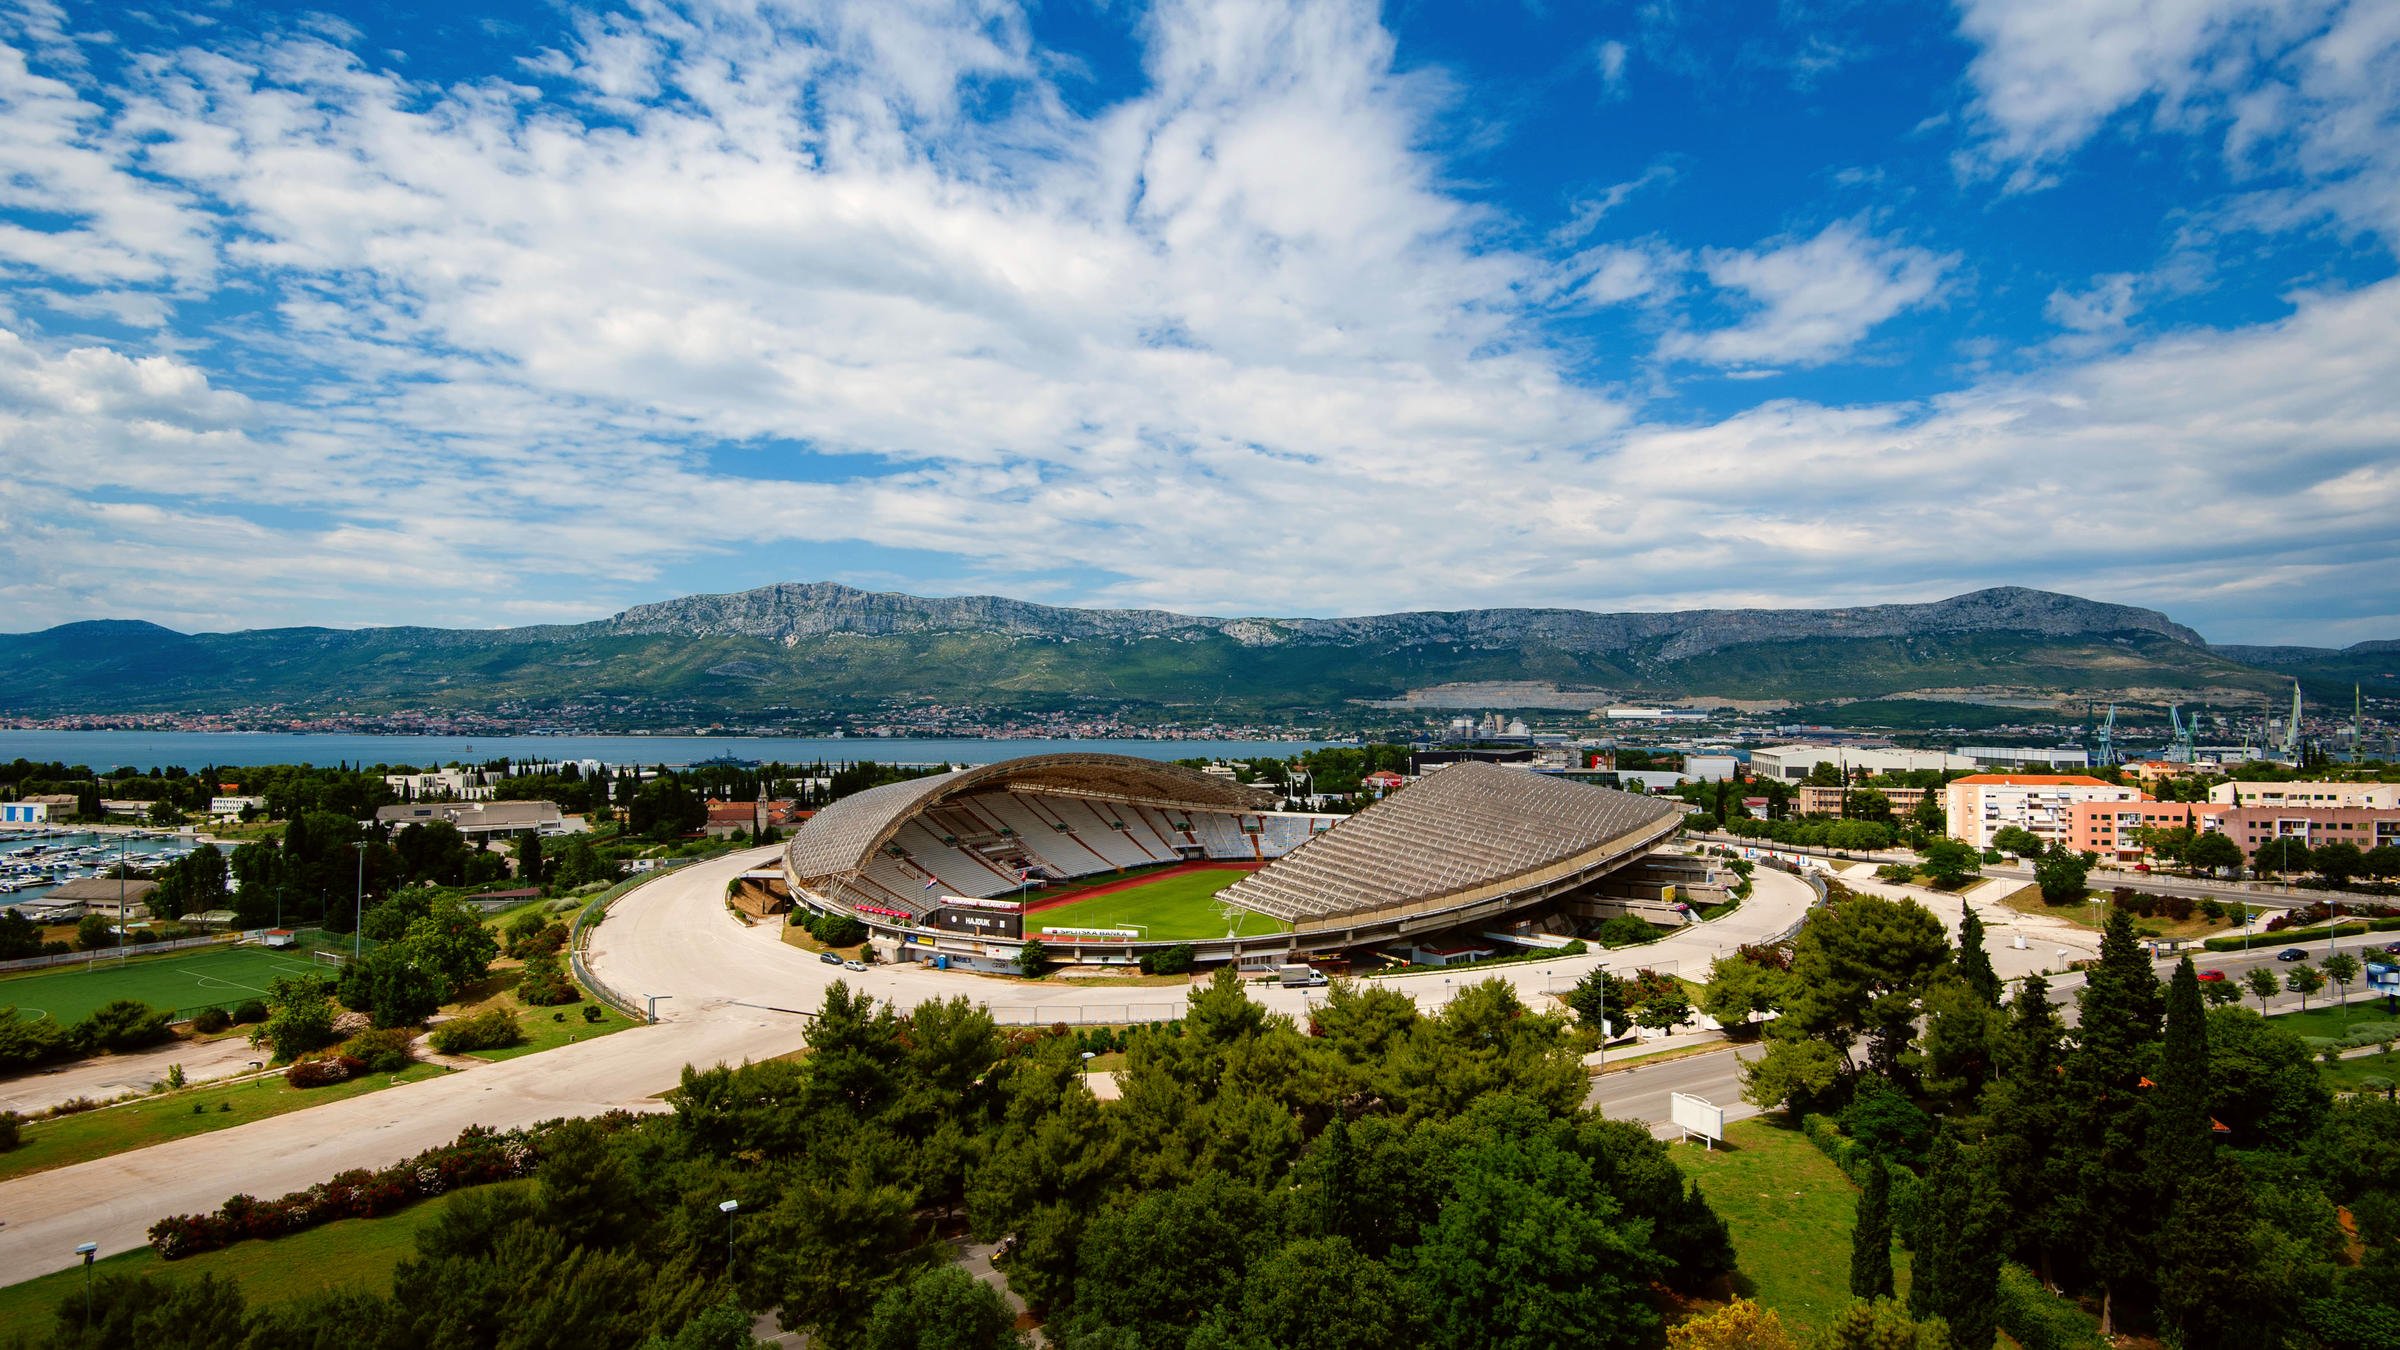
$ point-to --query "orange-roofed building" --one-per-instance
(1981, 805)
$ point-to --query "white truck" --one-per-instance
(1300, 976)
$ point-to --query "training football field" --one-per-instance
(187, 981)
(1171, 908)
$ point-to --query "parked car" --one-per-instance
(2291, 954)
(2212, 977)
(2391, 949)
(854, 965)
(830, 958)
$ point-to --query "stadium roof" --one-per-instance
(1455, 836)
(843, 837)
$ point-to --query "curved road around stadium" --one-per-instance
(728, 992)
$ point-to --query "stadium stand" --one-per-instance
(1466, 828)
(970, 829)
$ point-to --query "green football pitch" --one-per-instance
(187, 981)
(1175, 907)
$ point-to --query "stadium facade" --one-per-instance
(945, 867)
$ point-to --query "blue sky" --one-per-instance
(345, 315)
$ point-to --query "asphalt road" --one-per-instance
(1641, 1092)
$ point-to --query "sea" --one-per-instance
(105, 750)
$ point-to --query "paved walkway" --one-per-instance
(112, 1076)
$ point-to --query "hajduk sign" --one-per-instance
(1103, 934)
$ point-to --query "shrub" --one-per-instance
(303, 1024)
(27, 1042)
(123, 1024)
(249, 1011)
(1625, 930)
(1175, 960)
(2039, 1319)
(593, 1012)
(490, 1029)
(383, 1050)
(309, 1073)
(10, 1124)
(545, 936)
(837, 930)
(545, 984)
(477, 1157)
(210, 1021)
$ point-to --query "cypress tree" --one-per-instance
(1974, 963)
(2023, 1107)
(2107, 1121)
(2181, 1138)
(1871, 1236)
(1954, 1270)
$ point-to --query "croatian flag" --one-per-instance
(1024, 874)
(931, 882)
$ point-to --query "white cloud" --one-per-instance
(1241, 318)
(2311, 87)
(1812, 300)
(1608, 59)
(2105, 307)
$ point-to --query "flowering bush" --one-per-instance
(309, 1073)
(478, 1156)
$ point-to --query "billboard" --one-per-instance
(978, 921)
(1693, 1115)
(1103, 934)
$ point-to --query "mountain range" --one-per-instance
(822, 648)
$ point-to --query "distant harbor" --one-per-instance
(105, 750)
(35, 862)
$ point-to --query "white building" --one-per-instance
(1711, 768)
(36, 810)
(464, 784)
(2384, 795)
(2006, 757)
(234, 806)
(1791, 763)
(1981, 805)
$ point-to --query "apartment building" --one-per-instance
(1981, 805)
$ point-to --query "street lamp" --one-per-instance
(358, 911)
(727, 1208)
(87, 1250)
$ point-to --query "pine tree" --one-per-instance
(2106, 1130)
(1974, 963)
(1871, 1236)
(1954, 1271)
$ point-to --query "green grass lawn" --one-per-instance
(86, 1135)
(2363, 1074)
(351, 1252)
(1789, 1209)
(1180, 906)
(185, 980)
(545, 1031)
(2325, 1017)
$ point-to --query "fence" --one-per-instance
(110, 953)
(1088, 1014)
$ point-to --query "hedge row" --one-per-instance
(1852, 1157)
(2039, 1319)
(478, 1156)
(2346, 928)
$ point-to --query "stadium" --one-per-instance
(1104, 857)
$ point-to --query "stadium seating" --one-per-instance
(1464, 827)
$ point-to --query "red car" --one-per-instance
(2215, 975)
